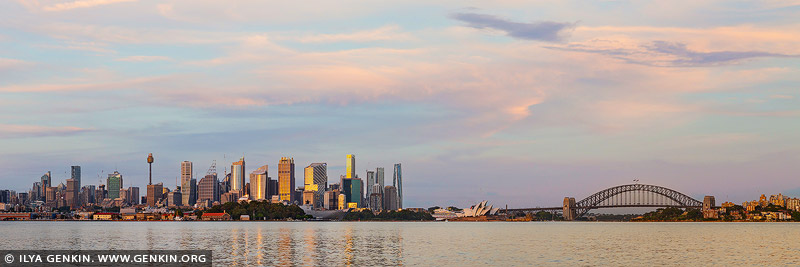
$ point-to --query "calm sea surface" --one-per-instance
(435, 243)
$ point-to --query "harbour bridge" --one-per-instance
(624, 196)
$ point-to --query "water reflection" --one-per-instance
(426, 244)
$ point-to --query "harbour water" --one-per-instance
(431, 243)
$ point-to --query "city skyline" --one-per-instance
(512, 102)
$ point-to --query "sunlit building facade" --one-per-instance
(351, 166)
(316, 181)
(286, 179)
(259, 183)
(237, 176)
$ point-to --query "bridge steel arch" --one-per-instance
(595, 200)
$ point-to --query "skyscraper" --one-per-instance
(76, 175)
(114, 183)
(208, 188)
(286, 179)
(259, 183)
(370, 182)
(353, 189)
(133, 193)
(46, 182)
(237, 176)
(154, 193)
(398, 183)
(316, 180)
(379, 177)
(390, 198)
(351, 166)
(188, 184)
(72, 194)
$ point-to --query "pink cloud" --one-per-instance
(21, 131)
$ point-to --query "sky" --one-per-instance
(521, 103)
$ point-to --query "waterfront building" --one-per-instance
(316, 181)
(50, 194)
(286, 179)
(154, 193)
(298, 195)
(76, 175)
(351, 166)
(188, 184)
(390, 198)
(708, 202)
(114, 183)
(259, 183)
(72, 194)
(37, 191)
(208, 188)
(397, 180)
(237, 176)
(763, 201)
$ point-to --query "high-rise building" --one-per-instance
(154, 193)
(353, 189)
(47, 181)
(237, 176)
(188, 184)
(87, 193)
(174, 199)
(114, 183)
(272, 188)
(397, 179)
(286, 179)
(76, 175)
(330, 200)
(370, 182)
(259, 183)
(351, 166)
(379, 177)
(133, 195)
(50, 194)
(208, 188)
(376, 198)
(316, 181)
(72, 194)
(390, 198)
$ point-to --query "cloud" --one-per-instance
(10, 63)
(662, 53)
(547, 31)
(385, 33)
(782, 97)
(20, 131)
(143, 58)
(68, 5)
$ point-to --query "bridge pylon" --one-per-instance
(570, 209)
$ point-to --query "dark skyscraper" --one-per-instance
(76, 175)
(398, 183)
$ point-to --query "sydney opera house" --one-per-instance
(479, 210)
